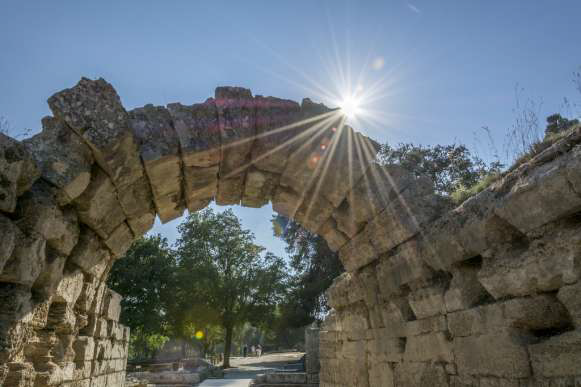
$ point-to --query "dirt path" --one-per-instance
(245, 369)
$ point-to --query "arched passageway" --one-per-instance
(485, 294)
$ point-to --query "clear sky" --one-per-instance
(444, 68)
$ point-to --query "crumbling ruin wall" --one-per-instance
(485, 293)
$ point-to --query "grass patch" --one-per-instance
(462, 193)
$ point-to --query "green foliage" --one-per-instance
(462, 193)
(314, 268)
(145, 278)
(449, 166)
(224, 277)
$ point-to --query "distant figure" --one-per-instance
(259, 350)
(252, 350)
(245, 350)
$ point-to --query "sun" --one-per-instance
(350, 106)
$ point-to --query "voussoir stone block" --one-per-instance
(159, 149)
(40, 213)
(350, 152)
(404, 216)
(358, 252)
(334, 237)
(198, 132)
(90, 252)
(10, 234)
(27, 260)
(18, 171)
(63, 157)
(308, 155)
(259, 187)
(237, 122)
(93, 109)
(70, 288)
(376, 189)
(120, 240)
(277, 128)
(98, 207)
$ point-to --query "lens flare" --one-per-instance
(350, 106)
(199, 335)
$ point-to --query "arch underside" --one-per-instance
(483, 293)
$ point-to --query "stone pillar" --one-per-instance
(312, 365)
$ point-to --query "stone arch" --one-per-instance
(427, 288)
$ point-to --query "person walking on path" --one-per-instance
(252, 350)
(259, 350)
(245, 350)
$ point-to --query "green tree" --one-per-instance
(145, 279)
(314, 268)
(450, 166)
(226, 275)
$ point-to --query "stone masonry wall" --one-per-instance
(482, 295)
(489, 294)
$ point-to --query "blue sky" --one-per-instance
(447, 67)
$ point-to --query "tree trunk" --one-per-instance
(228, 344)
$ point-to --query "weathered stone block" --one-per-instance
(376, 189)
(64, 159)
(62, 318)
(136, 201)
(237, 122)
(405, 266)
(335, 238)
(259, 188)
(198, 132)
(90, 253)
(465, 291)
(93, 109)
(159, 149)
(541, 186)
(39, 213)
(17, 172)
(112, 305)
(277, 128)
(535, 313)
(10, 235)
(286, 201)
(52, 274)
(313, 211)
(27, 261)
(557, 356)
(120, 240)
(98, 206)
(382, 348)
(503, 354)
(347, 151)
(402, 218)
(434, 347)
(380, 374)
(358, 252)
(569, 296)
(426, 325)
(395, 313)
(427, 302)
(70, 288)
(547, 264)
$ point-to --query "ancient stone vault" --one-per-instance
(486, 294)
